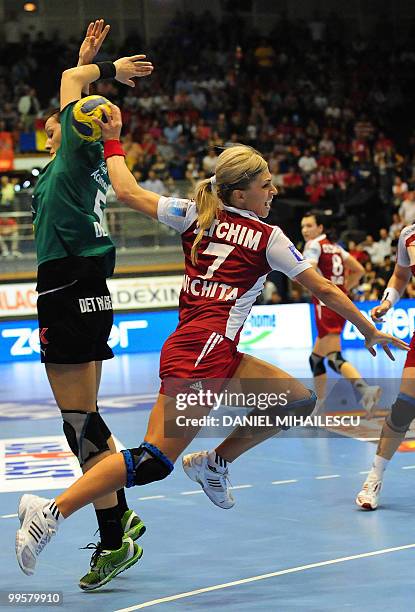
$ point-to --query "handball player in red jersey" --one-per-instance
(343, 270)
(402, 413)
(228, 253)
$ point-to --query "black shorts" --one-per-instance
(75, 323)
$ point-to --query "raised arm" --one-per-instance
(124, 70)
(355, 272)
(335, 299)
(95, 35)
(396, 286)
(123, 182)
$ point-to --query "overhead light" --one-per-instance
(30, 7)
(35, 172)
(26, 184)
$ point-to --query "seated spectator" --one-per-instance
(172, 131)
(209, 162)
(307, 163)
(9, 232)
(357, 251)
(385, 271)
(396, 225)
(326, 145)
(160, 168)
(314, 191)
(171, 188)
(133, 151)
(399, 190)
(154, 184)
(407, 208)
(384, 248)
(292, 181)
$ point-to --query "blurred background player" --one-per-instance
(74, 261)
(402, 413)
(342, 269)
(228, 252)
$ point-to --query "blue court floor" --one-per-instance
(295, 541)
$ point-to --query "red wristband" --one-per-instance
(113, 147)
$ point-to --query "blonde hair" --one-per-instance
(236, 168)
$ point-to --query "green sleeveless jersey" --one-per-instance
(69, 201)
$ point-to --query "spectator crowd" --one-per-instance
(330, 110)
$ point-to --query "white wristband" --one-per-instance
(392, 295)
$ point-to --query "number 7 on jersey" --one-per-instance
(221, 252)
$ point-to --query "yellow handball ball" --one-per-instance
(82, 117)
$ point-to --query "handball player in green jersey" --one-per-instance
(75, 256)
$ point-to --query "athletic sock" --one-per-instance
(216, 462)
(122, 502)
(379, 466)
(51, 512)
(110, 529)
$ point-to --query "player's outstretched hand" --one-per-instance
(379, 312)
(111, 128)
(95, 35)
(128, 68)
(377, 337)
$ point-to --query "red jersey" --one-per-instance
(234, 257)
(329, 257)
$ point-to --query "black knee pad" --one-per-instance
(335, 361)
(86, 433)
(402, 413)
(146, 464)
(317, 364)
(301, 408)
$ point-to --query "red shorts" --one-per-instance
(327, 321)
(410, 356)
(197, 353)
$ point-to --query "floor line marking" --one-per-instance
(327, 477)
(247, 486)
(191, 492)
(8, 516)
(151, 497)
(408, 467)
(291, 570)
(278, 482)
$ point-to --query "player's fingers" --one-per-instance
(89, 29)
(99, 24)
(136, 58)
(99, 122)
(400, 344)
(130, 83)
(115, 111)
(104, 33)
(388, 352)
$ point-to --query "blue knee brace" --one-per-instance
(146, 464)
(402, 413)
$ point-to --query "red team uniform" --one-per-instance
(234, 257)
(406, 239)
(330, 258)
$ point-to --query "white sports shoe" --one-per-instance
(35, 531)
(213, 481)
(370, 399)
(368, 497)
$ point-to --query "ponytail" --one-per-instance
(208, 206)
